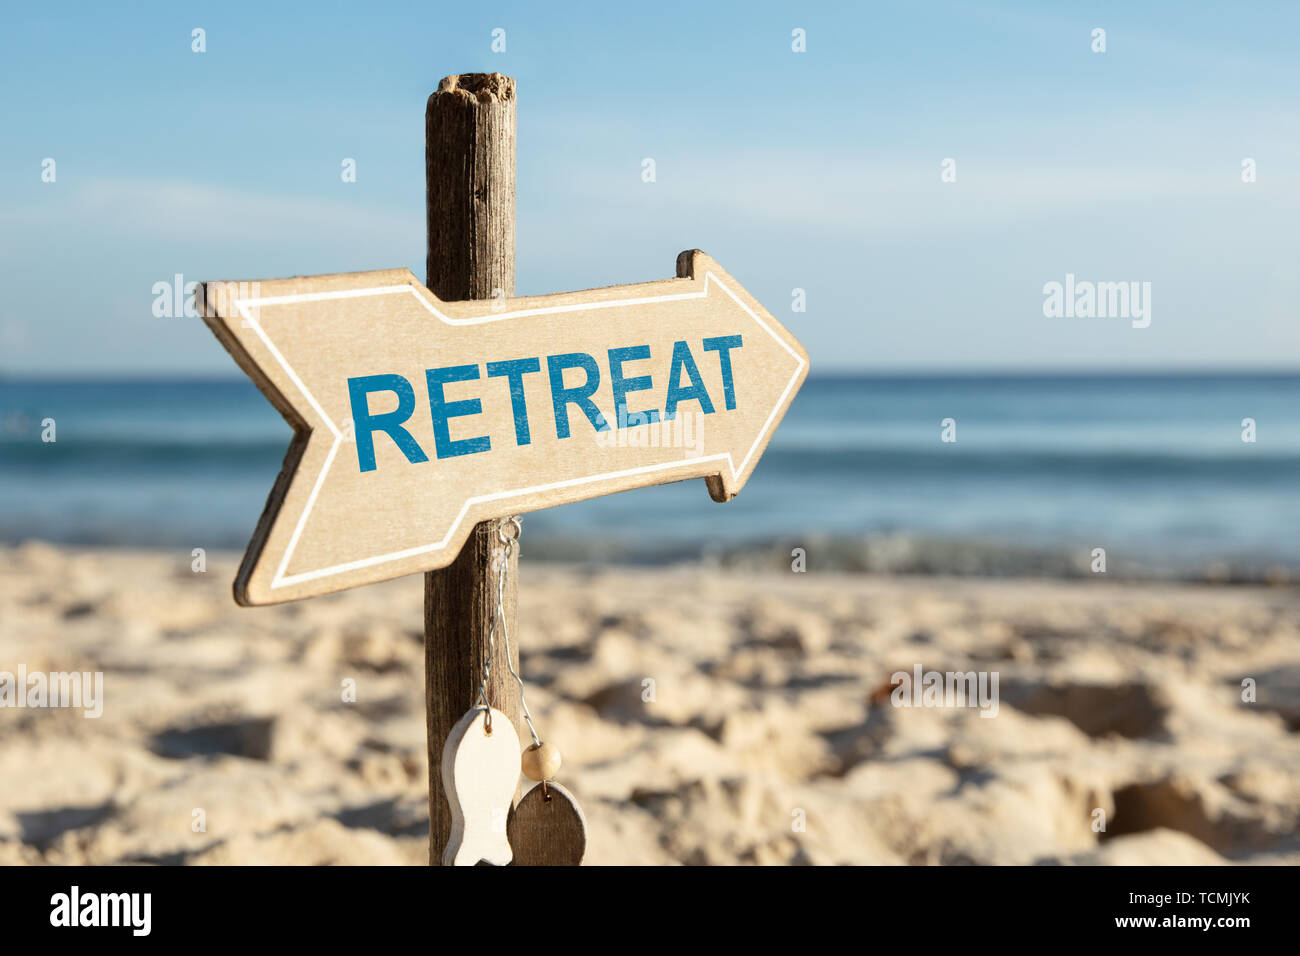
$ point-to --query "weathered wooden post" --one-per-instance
(378, 483)
(469, 151)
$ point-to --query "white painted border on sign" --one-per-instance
(285, 580)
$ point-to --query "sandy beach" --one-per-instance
(705, 717)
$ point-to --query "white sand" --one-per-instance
(771, 706)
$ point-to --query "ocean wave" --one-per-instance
(142, 454)
(922, 555)
(964, 462)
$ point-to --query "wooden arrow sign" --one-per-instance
(415, 419)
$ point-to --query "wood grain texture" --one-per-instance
(547, 832)
(469, 153)
(470, 205)
(362, 504)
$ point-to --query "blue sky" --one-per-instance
(818, 170)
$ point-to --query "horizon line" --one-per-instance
(141, 377)
(828, 375)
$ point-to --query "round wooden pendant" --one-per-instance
(547, 828)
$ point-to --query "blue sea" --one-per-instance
(1043, 470)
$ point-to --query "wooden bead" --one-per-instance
(541, 762)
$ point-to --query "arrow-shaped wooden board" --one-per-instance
(415, 419)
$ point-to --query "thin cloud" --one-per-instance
(169, 210)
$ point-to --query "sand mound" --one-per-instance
(705, 718)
